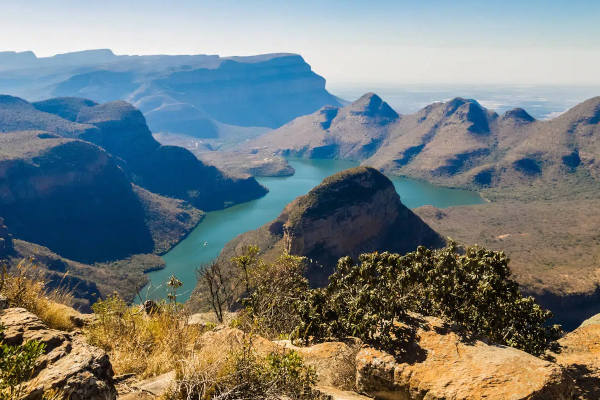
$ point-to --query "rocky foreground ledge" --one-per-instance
(438, 363)
(70, 366)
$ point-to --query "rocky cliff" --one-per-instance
(190, 94)
(167, 170)
(352, 212)
(53, 189)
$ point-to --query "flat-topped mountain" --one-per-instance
(457, 143)
(197, 95)
(351, 212)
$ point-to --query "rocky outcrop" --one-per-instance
(69, 366)
(352, 212)
(442, 364)
(580, 355)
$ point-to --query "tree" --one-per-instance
(218, 286)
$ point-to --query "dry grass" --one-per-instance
(24, 287)
(145, 345)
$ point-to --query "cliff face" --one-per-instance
(167, 170)
(352, 212)
(52, 190)
(188, 94)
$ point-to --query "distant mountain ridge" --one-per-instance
(456, 143)
(197, 95)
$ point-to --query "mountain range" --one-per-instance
(199, 95)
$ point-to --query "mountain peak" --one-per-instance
(518, 114)
(371, 105)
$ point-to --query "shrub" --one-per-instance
(16, 365)
(473, 289)
(139, 343)
(24, 287)
(244, 375)
(276, 289)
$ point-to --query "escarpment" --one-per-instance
(352, 212)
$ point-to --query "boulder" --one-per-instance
(442, 364)
(580, 355)
(334, 362)
(70, 365)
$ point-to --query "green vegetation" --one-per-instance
(16, 365)
(473, 290)
(372, 298)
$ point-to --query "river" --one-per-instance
(218, 227)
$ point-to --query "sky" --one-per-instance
(379, 42)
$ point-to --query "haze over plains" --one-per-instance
(368, 42)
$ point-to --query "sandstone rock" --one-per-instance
(69, 365)
(580, 355)
(334, 362)
(445, 366)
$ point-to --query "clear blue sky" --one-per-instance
(460, 41)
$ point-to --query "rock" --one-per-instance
(69, 365)
(150, 388)
(443, 365)
(334, 362)
(3, 302)
(580, 355)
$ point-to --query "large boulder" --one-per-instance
(580, 355)
(440, 363)
(70, 365)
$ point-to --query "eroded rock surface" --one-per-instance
(444, 365)
(580, 355)
(69, 365)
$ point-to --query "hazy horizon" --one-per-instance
(552, 42)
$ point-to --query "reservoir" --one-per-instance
(218, 227)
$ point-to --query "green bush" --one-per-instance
(473, 289)
(16, 365)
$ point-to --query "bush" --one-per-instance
(271, 309)
(16, 365)
(139, 343)
(244, 375)
(473, 290)
(24, 287)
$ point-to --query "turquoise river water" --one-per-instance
(218, 227)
